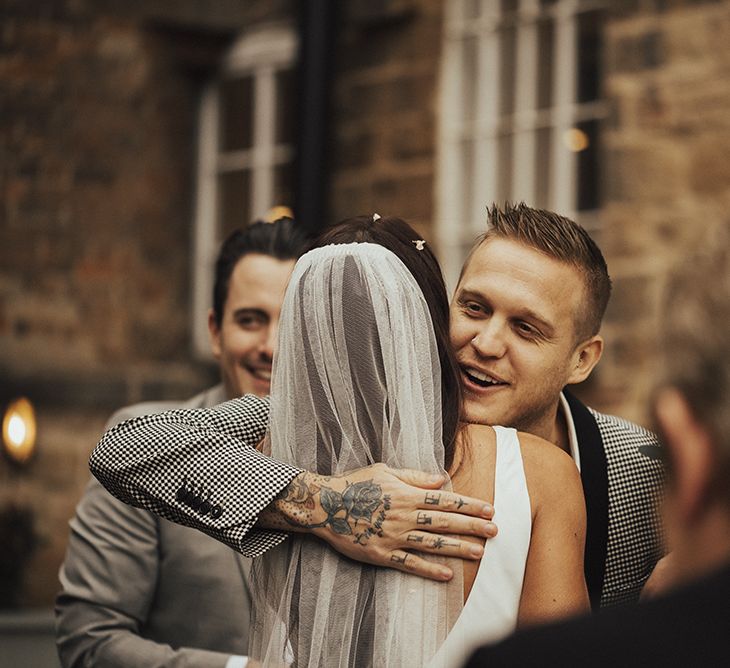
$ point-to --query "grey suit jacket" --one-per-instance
(141, 591)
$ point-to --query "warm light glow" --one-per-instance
(576, 140)
(16, 431)
(276, 212)
(19, 430)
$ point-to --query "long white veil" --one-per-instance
(356, 381)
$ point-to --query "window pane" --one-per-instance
(469, 68)
(588, 169)
(509, 6)
(504, 172)
(545, 45)
(507, 46)
(467, 180)
(284, 185)
(588, 44)
(543, 160)
(234, 201)
(471, 9)
(236, 114)
(286, 107)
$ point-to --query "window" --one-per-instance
(520, 114)
(245, 152)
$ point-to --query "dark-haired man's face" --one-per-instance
(513, 329)
(244, 343)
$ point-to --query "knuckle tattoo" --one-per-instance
(432, 499)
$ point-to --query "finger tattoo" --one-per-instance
(442, 542)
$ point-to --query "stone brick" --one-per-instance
(646, 172)
(378, 12)
(408, 197)
(414, 39)
(709, 172)
(352, 148)
(412, 136)
(630, 299)
(623, 8)
(377, 100)
(638, 53)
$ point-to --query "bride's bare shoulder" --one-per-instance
(471, 434)
(550, 471)
(547, 456)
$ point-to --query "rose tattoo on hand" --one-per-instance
(356, 504)
(358, 501)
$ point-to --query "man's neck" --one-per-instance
(552, 427)
(560, 431)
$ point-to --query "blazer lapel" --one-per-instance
(594, 474)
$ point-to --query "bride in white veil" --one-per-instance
(363, 374)
(356, 381)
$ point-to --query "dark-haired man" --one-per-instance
(687, 626)
(139, 590)
(525, 321)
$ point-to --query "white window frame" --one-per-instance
(461, 199)
(260, 54)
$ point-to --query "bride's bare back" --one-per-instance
(554, 583)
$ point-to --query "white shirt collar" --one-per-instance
(570, 425)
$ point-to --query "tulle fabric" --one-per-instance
(356, 381)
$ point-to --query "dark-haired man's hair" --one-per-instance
(564, 240)
(282, 240)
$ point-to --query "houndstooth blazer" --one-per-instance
(622, 474)
(199, 468)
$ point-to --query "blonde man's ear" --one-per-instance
(586, 356)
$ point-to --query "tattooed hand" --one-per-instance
(384, 516)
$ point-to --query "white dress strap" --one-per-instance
(490, 612)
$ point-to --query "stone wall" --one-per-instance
(99, 103)
(667, 170)
(384, 110)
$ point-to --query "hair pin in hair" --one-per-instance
(376, 216)
(419, 243)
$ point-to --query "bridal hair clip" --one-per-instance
(419, 243)
(376, 216)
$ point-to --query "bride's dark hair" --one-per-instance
(398, 237)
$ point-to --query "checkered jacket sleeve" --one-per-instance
(199, 468)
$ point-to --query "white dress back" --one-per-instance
(490, 612)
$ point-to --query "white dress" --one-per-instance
(490, 612)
